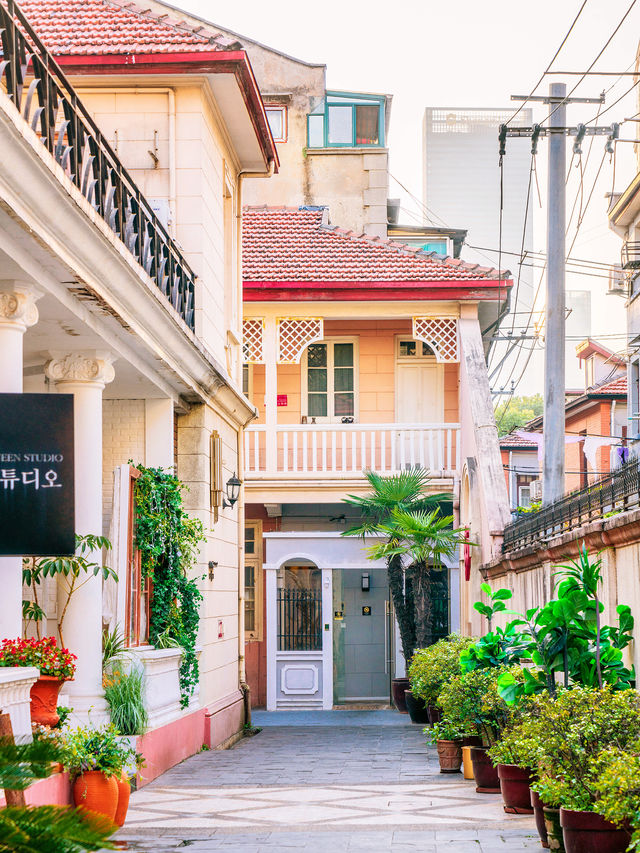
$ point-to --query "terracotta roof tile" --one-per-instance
(616, 386)
(292, 244)
(512, 440)
(104, 27)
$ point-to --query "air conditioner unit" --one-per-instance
(618, 281)
(535, 490)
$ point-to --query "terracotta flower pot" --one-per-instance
(434, 714)
(44, 700)
(554, 830)
(484, 772)
(96, 792)
(538, 805)
(587, 832)
(516, 793)
(416, 708)
(398, 686)
(124, 792)
(467, 765)
(449, 755)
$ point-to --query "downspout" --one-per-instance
(612, 413)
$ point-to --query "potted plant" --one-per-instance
(471, 702)
(618, 788)
(56, 666)
(576, 730)
(96, 759)
(448, 740)
(431, 668)
(516, 757)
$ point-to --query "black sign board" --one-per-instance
(366, 610)
(36, 475)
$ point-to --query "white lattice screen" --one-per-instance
(252, 337)
(440, 333)
(296, 333)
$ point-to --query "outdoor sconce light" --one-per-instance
(233, 491)
(365, 582)
(212, 567)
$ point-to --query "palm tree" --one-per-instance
(405, 492)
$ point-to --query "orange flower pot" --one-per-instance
(96, 792)
(124, 792)
(44, 700)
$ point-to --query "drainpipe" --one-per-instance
(612, 419)
(171, 112)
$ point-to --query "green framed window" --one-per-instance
(347, 120)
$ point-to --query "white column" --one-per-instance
(85, 375)
(17, 312)
(271, 593)
(327, 639)
(270, 351)
(158, 433)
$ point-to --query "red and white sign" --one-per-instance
(283, 400)
(220, 629)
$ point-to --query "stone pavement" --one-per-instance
(322, 782)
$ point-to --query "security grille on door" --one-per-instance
(252, 332)
(294, 334)
(440, 333)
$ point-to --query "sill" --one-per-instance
(358, 149)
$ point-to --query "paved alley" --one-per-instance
(336, 781)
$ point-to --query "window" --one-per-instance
(247, 378)
(277, 118)
(329, 382)
(347, 120)
(589, 367)
(411, 349)
(136, 627)
(253, 580)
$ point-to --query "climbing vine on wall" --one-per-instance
(168, 541)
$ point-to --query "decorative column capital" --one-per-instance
(89, 368)
(18, 305)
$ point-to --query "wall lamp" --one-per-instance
(233, 491)
(365, 582)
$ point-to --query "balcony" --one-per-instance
(329, 452)
(630, 255)
(48, 104)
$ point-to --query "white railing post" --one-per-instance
(270, 347)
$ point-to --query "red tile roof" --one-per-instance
(292, 244)
(617, 387)
(106, 27)
(511, 440)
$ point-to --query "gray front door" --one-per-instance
(361, 636)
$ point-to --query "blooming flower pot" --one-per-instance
(516, 793)
(587, 832)
(449, 755)
(554, 830)
(44, 700)
(538, 805)
(467, 765)
(434, 714)
(484, 772)
(398, 686)
(96, 792)
(416, 708)
(124, 792)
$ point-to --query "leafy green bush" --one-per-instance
(573, 732)
(470, 702)
(102, 749)
(431, 668)
(124, 694)
(444, 731)
(617, 786)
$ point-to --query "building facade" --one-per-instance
(120, 244)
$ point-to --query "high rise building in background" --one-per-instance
(461, 188)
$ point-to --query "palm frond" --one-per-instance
(53, 829)
(23, 763)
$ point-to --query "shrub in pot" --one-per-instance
(431, 668)
(576, 730)
(96, 758)
(448, 740)
(56, 666)
(618, 789)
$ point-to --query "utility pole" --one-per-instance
(554, 356)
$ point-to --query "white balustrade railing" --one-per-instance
(346, 450)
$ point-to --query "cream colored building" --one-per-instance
(120, 284)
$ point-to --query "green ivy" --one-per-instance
(168, 541)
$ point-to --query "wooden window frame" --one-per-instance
(132, 636)
(281, 108)
(255, 560)
(331, 419)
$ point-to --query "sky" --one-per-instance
(466, 53)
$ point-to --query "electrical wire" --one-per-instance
(524, 234)
(553, 59)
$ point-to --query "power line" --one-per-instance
(553, 59)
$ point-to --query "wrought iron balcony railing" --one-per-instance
(48, 103)
(613, 493)
(630, 255)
